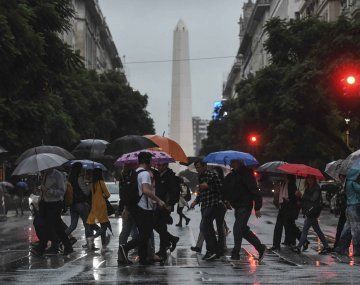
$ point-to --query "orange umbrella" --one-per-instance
(169, 146)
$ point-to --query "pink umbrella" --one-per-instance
(158, 157)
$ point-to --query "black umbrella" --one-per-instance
(271, 167)
(45, 149)
(129, 144)
(91, 149)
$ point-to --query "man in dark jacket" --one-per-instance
(241, 191)
(167, 188)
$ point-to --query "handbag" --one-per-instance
(110, 209)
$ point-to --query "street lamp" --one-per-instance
(347, 121)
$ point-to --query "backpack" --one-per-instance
(188, 194)
(129, 190)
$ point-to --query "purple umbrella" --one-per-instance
(158, 157)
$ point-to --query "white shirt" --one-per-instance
(144, 177)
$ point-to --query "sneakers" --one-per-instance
(306, 245)
(122, 256)
(36, 252)
(68, 251)
(174, 243)
(209, 256)
(72, 240)
(262, 253)
(273, 248)
(296, 250)
(325, 250)
(235, 255)
(196, 249)
(187, 221)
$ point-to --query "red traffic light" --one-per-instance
(351, 80)
(253, 139)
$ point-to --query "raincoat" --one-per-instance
(98, 211)
(352, 186)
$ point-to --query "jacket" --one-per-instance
(241, 190)
(352, 186)
(167, 187)
(98, 211)
(312, 199)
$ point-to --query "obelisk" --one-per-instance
(181, 129)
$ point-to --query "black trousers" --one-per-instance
(144, 220)
(161, 220)
(340, 227)
(241, 230)
(53, 224)
(286, 219)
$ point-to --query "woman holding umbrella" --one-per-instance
(98, 211)
(311, 207)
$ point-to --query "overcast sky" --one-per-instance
(143, 31)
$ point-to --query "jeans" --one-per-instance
(144, 220)
(128, 228)
(353, 216)
(241, 230)
(312, 222)
(51, 213)
(220, 227)
(81, 210)
(208, 215)
(344, 242)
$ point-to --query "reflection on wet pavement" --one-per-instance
(182, 267)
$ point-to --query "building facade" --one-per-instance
(251, 55)
(200, 130)
(90, 35)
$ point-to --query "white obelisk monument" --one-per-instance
(181, 128)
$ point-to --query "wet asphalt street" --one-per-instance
(183, 266)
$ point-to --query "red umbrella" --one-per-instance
(301, 170)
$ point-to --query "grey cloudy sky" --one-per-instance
(143, 31)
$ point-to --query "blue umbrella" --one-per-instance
(87, 164)
(225, 157)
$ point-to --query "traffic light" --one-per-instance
(350, 84)
(253, 139)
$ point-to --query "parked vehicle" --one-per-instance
(114, 198)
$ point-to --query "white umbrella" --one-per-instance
(45, 149)
(349, 161)
(333, 168)
(39, 162)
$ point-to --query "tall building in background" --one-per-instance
(90, 35)
(181, 129)
(200, 133)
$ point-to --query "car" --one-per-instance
(114, 198)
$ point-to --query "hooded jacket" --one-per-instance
(167, 187)
(352, 186)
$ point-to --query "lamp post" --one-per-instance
(347, 121)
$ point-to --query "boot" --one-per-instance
(90, 244)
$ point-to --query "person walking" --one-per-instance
(311, 203)
(352, 226)
(80, 207)
(98, 212)
(241, 191)
(142, 211)
(288, 213)
(167, 188)
(182, 203)
(210, 199)
(341, 206)
(51, 206)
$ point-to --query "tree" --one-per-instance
(294, 102)
(46, 94)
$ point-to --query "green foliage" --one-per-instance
(46, 95)
(295, 103)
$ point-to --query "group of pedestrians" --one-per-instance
(86, 199)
